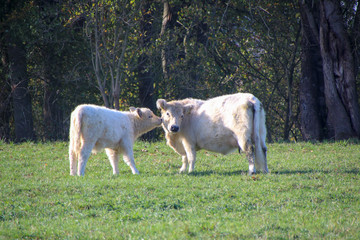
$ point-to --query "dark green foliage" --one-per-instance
(210, 48)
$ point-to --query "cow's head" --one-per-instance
(172, 114)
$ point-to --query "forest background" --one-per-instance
(299, 57)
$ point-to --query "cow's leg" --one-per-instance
(184, 163)
(129, 156)
(260, 159)
(84, 155)
(248, 148)
(179, 149)
(265, 166)
(251, 156)
(72, 158)
(263, 163)
(113, 156)
(191, 155)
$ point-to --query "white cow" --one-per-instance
(93, 128)
(220, 124)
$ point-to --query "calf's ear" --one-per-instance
(136, 111)
(161, 104)
(139, 112)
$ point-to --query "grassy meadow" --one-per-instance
(312, 192)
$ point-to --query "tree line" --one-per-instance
(299, 57)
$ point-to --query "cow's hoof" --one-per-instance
(182, 170)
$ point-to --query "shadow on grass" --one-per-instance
(221, 173)
(282, 172)
(174, 170)
(209, 172)
(297, 172)
(312, 171)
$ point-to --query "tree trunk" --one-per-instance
(326, 43)
(5, 98)
(52, 114)
(355, 36)
(165, 20)
(312, 98)
(144, 73)
(290, 80)
(20, 92)
(339, 72)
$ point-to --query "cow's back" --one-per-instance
(216, 123)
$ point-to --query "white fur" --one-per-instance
(220, 124)
(93, 128)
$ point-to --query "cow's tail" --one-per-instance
(260, 137)
(75, 139)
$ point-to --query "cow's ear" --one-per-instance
(188, 108)
(161, 104)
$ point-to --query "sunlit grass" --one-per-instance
(312, 192)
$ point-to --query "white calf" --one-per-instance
(220, 124)
(93, 128)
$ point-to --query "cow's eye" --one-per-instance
(182, 116)
(150, 116)
(168, 114)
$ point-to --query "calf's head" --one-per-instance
(172, 114)
(146, 120)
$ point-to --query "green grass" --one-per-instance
(312, 192)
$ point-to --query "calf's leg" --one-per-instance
(114, 159)
(129, 160)
(84, 155)
(129, 157)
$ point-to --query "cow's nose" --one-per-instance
(174, 128)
